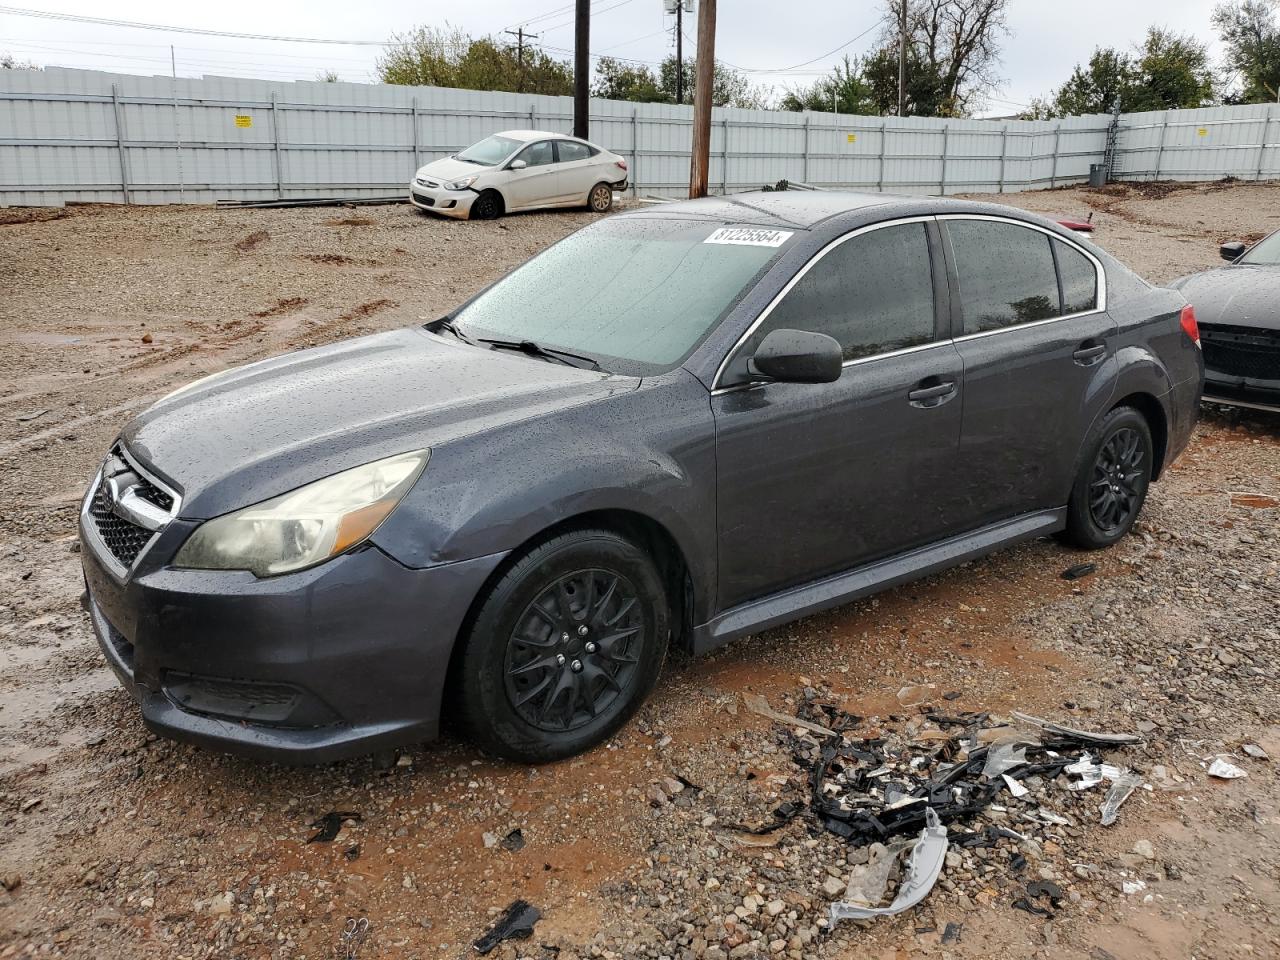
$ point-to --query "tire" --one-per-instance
(600, 199)
(487, 206)
(537, 680)
(1112, 480)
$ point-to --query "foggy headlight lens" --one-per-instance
(305, 526)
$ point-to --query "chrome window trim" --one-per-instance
(89, 529)
(718, 391)
(800, 274)
(1100, 271)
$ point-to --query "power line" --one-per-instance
(829, 53)
(103, 21)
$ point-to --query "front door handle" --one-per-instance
(1089, 353)
(935, 394)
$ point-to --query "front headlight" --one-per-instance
(461, 184)
(305, 526)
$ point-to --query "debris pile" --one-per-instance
(941, 780)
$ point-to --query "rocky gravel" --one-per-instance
(114, 844)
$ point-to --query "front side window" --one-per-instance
(537, 154)
(571, 150)
(1079, 279)
(635, 293)
(490, 151)
(1006, 274)
(873, 293)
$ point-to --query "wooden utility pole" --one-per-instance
(902, 58)
(520, 36)
(581, 67)
(703, 84)
(680, 51)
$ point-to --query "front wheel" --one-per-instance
(487, 206)
(1112, 481)
(600, 199)
(564, 649)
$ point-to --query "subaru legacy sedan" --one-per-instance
(519, 170)
(675, 427)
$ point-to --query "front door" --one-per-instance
(814, 479)
(578, 171)
(1036, 344)
(537, 183)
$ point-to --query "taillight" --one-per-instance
(621, 163)
(1189, 325)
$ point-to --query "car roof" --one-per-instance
(527, 135)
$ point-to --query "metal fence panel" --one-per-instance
(83, 135)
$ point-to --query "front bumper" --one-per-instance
(310, 667)
(448, 203)
(1250, 392)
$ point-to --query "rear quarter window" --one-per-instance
(1079, 279)
(1006, 274)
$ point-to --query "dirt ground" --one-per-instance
(114, 844)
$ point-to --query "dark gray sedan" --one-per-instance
(675, 427)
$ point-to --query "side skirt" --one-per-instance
(791, 604)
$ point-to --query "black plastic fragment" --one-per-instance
(951, 695)
(516, 924)
(1022, 903)
(1017, 863)
(330, 825)
(1045, 888)
(352, 852)
(1078, 571)
(951, 933)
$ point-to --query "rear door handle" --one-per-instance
(1089, 352)
(933, 395)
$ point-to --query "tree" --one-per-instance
(925, 89)
(1111, 74)
(953, 45)
(327, 76)
(449, 57)
(7, 62)
(729, 87)
(619, 80)
(1251, 35)
(844, 89)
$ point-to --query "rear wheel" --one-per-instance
(565, 647)
(1112, 481)
(487, 206)
(600, 199)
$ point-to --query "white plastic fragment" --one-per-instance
(1130, 887)
(1225, 771)
(924, 865)
(1015, 788)
(1124, 785)
(1255, 751)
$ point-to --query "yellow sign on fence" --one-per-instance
(853, 138)
(1202, 131)
(243, 120)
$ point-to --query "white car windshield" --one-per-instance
(1265, 251)
(490, 151)
(637, 294)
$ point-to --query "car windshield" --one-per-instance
(1265, 251)
(490, 151)
(635, 293)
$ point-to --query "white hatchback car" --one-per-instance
(519, 170)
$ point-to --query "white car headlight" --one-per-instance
(305, 526)
(461, 184)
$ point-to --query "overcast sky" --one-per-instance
(1047, 38)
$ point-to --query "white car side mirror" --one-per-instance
(518, 164)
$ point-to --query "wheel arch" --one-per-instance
(1157, 419)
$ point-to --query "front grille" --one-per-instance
(1241, 351)
(123, 539)
(422, 182)
(423, 199)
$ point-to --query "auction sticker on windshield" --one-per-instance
(750, 236)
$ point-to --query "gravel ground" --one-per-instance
(114, 844)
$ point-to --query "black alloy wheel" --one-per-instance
(1115, 469)
(563, 648)
(1118, 473)
(487, 206)
(571, 654)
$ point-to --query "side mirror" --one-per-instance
(1229, 251)
(518, 164)
(796, 356)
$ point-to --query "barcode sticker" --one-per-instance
(750, 237)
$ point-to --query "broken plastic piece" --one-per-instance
(924, 865)
(1022, 903)
(758, 704)
(1045, 888)
(1225, 771)
(1124, 785)
(513, 841)
(951, 933)
(1003, 756)
(1084, 736)
(1015, 788)
(330, 825)
(516, 924)
(1255, 751)
(867, 883)
(1078, 571)
(916, 695)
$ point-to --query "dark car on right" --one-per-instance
(1238, 309)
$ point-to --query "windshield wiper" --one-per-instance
(447, 324)
(547, 353)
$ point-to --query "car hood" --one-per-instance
(1243, 295)
(450, 169)
(257, 431)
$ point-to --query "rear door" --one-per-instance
(818, 478)
(536, 184)
(1032, 330)
(578, 171)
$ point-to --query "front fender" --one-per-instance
(649, 451)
